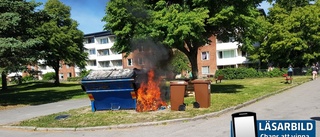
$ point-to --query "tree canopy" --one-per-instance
(62, 41)
(184, 24)
(292, 35)
(18, 20)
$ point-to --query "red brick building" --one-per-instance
(207, 59)
(65, 71)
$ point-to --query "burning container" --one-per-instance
(110, 89)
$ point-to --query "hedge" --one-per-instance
(241, 73)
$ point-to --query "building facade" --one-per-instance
(101, 56)
(213, 56)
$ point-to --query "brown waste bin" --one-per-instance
(177, 91)
(202, 92)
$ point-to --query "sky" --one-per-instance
(89, 13)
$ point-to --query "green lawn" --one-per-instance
(35, 93)
(223, 95)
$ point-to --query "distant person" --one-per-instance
(190, 74)
(317, 66)
(290, 71)
(314, 71)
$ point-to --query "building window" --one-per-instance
(130, 63)
(104, 52)
(243, 53)
(69, 74)
(205, 70)
(89, 40)
(114, 52)
(104, 64)
(140, 61)
(226, 54)
(219, 41)
(92, 51)
(220, 54)
(92, 63)
(61, 75)
(117, 63)
(205, 55)
(104, 41)
(112, 39)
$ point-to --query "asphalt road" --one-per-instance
(298, 103)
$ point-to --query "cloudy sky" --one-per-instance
(89, 13)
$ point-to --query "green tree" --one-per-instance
(293, 36)
(185, 25)
(18, 44)
(62, 41)
(179, 62)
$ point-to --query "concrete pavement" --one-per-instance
(298, 103)
(24, 113)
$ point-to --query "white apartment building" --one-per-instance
(230, 55)
(98, 45)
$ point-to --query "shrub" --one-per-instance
(27, 78)
(241, 73)
(49, 76)
(74, 78)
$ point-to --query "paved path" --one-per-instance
(299, 103)
(24, 113)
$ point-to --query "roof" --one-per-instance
(99, 34)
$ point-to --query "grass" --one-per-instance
(35, 93)
(223, 95)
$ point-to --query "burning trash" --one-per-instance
(149, 94)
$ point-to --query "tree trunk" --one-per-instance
(56, 70)
(4, 81)
(194, 64)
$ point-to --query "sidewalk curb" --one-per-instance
(181, 120)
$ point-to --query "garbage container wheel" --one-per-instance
(182, 107)
(196, 105)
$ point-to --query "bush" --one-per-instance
(49, 76)
(27, 78)
(241, 73)
(74, 78)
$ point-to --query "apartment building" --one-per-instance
(213, 56)
(229, 54)
(39, 70)
(101, 56)
(218, 55)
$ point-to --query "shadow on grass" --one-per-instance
(35, 85)
(219, 88)
(36, 93)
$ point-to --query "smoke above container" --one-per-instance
(152, 55)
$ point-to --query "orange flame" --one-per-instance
(149, 95)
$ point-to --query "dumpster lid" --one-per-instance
(201, 81)
(109, 74)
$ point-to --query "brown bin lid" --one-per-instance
(201, 81)
(178, 83)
